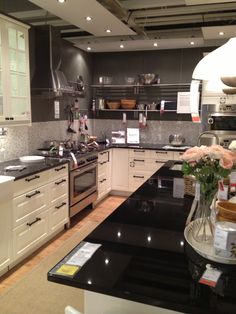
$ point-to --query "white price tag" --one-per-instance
(210, 276)
(178, 188)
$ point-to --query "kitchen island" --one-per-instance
(144, 263)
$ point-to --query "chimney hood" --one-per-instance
(47, 75)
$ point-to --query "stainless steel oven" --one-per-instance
(83, 184)
(221, 120)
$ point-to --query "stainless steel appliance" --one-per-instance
(220, 119)
(83, 182)
(83, 161)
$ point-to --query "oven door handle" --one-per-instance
(86, 168)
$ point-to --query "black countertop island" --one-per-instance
(144, 258)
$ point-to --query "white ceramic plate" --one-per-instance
(31, 158)
(205, 249)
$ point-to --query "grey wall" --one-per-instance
(74, 62)
(173, 66)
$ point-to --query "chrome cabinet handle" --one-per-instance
(33, 194)
(59, 206)
(33, 222)
(60, 182)
(33, 178)
(141, 160)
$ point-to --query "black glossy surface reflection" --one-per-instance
(144, 257)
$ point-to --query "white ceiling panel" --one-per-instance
(212, 32)
(75, 11)
(194, 2)
(131, 45)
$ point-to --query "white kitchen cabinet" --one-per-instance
(104, 174)
(6, 235)
(120, 169)
(58, 203)
(178, 155)
(15, 105)
(40, 209)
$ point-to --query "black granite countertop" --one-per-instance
(151, 146)
(29, 168)
(148, 258)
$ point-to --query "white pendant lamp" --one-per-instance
(217, 65)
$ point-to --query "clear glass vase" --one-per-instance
(202, 227)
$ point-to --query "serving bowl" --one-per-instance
(226, 211)
(128, 103)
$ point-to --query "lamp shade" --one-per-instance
(219, 63)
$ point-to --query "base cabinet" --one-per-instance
(104, 173)
(120, 169)
(113, 305)
(27, 236)
(6, 234)
(40, 209)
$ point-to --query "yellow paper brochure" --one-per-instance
(67, 270)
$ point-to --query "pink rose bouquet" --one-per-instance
(208, 165)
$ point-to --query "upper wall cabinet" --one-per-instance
(15, 108)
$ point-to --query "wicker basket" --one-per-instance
(128, 103)
(189, 185)
(113, 105)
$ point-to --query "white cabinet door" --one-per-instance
(15, 107)
(29, 234)
(6, 234)
(104, 173)
(28, 204)
(59, 203)
(120, 169)
(58, 214)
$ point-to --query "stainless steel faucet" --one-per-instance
(210, 133)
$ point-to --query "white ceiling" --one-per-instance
(137, 24)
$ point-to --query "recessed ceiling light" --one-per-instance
(121, 46)
(88, 48)
(192, 43)
(155, 44)
(61, 1)
(108, 30)
(88, 18)
(221, 33)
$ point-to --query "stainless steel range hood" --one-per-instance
(48, 76)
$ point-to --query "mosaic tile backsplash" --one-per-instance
(25, 140)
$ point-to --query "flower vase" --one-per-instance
(203, 228)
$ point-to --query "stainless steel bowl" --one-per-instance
(176, 139)
(148, 78)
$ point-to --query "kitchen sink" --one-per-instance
(6, 188)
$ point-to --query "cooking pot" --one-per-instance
(176, 139)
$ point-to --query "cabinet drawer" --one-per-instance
(58, 189)
(178, 155)
(103, 156)
(102, 167)
(136, 179)
(58, 214)
(29, 234)
(59, 171)
(162, 155)
(29, 183)
(27, 204)
(139, 153)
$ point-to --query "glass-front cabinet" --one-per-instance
(14, 73)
